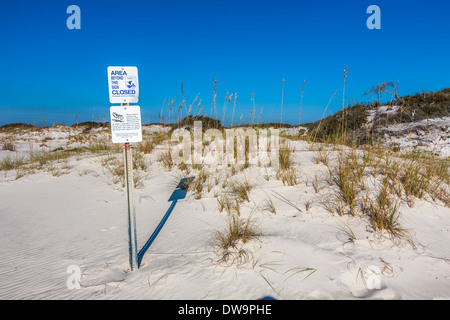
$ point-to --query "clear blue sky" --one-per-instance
(52, 73)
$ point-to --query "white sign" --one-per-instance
(126, 124)
(123, 84)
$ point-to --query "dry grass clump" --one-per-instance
(384, 212)
(235, 192)
(100, 146)
(286, 171)
(417, 174)
(240, 189)
(229, 204)
(286, 156)
(166, 159)
(397, 178)
(148, 144)
(346, 177)
(288, 177)
(116, 168)
(38, 160)
(198, 184)
(51, 161)
(322, 156)
(269, 205)
(425, 173)
(229, 243)
(10, 163)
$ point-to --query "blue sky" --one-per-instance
(52, 73)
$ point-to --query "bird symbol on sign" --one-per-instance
(130, 84)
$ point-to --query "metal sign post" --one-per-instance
(126, 128)
(129, 183)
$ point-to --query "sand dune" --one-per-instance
(78, 217)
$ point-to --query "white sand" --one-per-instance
(48, 223)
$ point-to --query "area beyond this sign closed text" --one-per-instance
(126, 124)
(123, 84)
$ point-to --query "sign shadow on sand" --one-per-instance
(179, 194)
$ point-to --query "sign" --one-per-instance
(126, 128)
(126, 124)
(123, 84)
